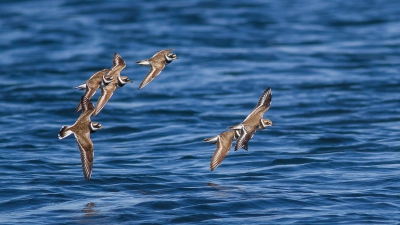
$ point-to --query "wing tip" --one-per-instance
(143, 84)
(212, 168)
(87, 176)
(269, 92)
(214, 164)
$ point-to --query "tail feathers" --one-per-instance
(81, 87)
(211, 140)
(236, 127)
(64, 132)
(143, 62)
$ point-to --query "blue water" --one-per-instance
(332, 157)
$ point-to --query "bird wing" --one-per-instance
(118, 63)
(87, 153)
(263, 104)
(155, 70)
(106, 93)
(160, 54)
(224, 144)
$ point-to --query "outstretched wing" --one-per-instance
(87, 153)
(106, 94)
(155, 70)
(263, 103)
(118, 63)
(224, 145)
(160, 54)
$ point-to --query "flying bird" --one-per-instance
(224, 144)
(98, 80)
(157, 63)
(82, 129)
(117, 82)
(254, 121)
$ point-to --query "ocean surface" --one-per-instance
(333, 156)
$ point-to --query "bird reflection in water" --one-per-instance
(216, 186)
(89, 209)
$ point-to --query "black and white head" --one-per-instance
(94, 126)
(107, 80)
(122, 80)
(266, 123)
(170, 57)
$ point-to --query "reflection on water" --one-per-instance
(89, 209)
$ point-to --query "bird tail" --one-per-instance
(65, 131)
(81, 87)
(236, 127)
(143, 62)
(211, 140)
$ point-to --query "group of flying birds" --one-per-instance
(108, 80)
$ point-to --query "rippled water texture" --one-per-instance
(331, 158)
